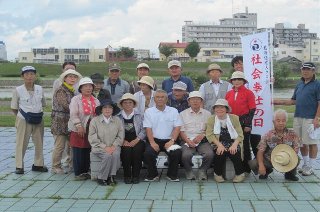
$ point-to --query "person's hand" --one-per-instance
(155, 146)
(315, 122)
(110, 149)
(190, 143)
(262, 170)
(126, 143)
(233, 149)
(198, 139)
(247, 129)
(81, 131)
(221, 149)
(168, 144)
(134, 142)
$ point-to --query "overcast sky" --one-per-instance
(26, 24)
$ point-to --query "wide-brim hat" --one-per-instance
(222, 102)
(147, 80)
(213, 67)
(69, 71)
(106, 102)
(238, 75)
(128, 96)
(174, 63)
(284, 158)
(195, 94)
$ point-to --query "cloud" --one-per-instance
(135, 23)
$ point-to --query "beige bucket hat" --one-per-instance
(222, 102)
(238, 75)
(127, 96)
(147, 80)
(69, 71)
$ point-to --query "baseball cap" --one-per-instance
(143, 65)
(174, 63)
(114, 66)
(26, 69)
(308, 65)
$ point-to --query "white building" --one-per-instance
(223, 35)
(218, 54)
(3, 51)
(142, 54)
(291, 36)
(55, 55)
(311, 52)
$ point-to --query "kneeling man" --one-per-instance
(281, 161)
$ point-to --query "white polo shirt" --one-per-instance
(163, 122)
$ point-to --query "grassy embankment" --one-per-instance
(9, 71)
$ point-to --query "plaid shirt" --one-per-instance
(270, 140)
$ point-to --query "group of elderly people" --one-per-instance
(137, 127)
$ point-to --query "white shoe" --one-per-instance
(308, 171)
(173, 179)
(301, 169)
(152, 179)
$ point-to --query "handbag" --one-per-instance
(32, 118)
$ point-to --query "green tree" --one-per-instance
(125, 52)
(166, 50)
(280, 72)
(192, 49)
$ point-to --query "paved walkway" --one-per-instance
(50, 192)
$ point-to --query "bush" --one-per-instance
(197, 78)
(280, 72)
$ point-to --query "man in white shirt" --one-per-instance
(162, 125)
(193, 136)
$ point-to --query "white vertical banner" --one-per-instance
(257, 70)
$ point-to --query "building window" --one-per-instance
(100, 56)
(283, 52)
(24, 58)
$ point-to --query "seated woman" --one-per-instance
(224, 131)
(106, 136)
(133, 146)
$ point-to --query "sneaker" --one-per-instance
(308, 171)
(19, 171)
(173, 179)
(239, 178)
(218, 178)
(127, 180)
(263, 177)
(202, 175)
(190, 175)
(102, 182)
(135, 180)
(39, 168)
(151, 179)
(111, 181)
(300, 169)
(80, 177)
(57, 171)
(86, 175)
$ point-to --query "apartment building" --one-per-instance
(61, 55)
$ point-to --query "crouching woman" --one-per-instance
(106, 135)
(224, 131)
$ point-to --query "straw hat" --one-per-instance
(69, 71)
(238, 75)
(147, 80)
(284, 158)
(127, 96)
(195, 94)
(222, 102)
(106, 102)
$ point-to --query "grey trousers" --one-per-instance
(110, 163)
(203, 149)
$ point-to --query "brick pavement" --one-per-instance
(50, 192)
